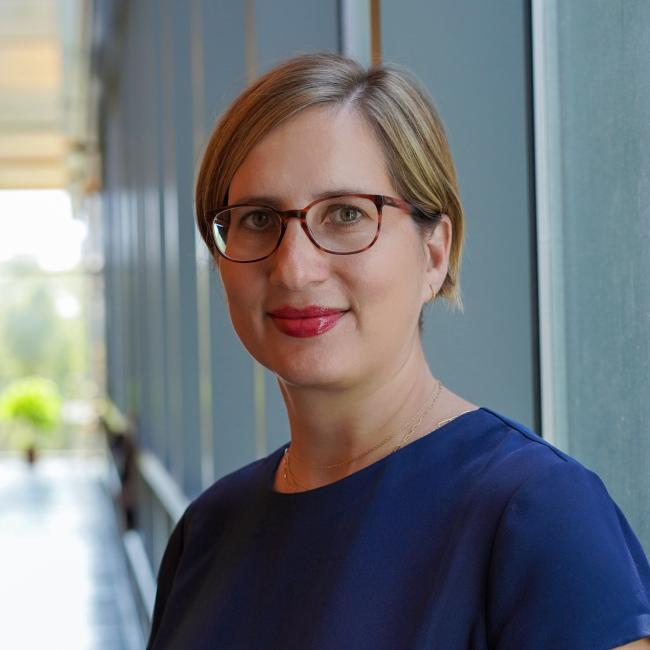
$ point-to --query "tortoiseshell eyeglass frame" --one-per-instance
(379, 200)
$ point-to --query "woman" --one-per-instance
(400, 515)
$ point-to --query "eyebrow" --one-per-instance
(275, 201)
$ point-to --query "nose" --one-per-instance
(297, 262)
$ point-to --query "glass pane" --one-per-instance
(247, 232)
(344, 223)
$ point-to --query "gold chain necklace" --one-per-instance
(411, 426)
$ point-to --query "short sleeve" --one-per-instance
(166, 574)
(566, 572)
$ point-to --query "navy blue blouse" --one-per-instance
(477, 535)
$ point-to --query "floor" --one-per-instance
(63, 577)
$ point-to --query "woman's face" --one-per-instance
(379, 291)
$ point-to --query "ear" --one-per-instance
(437, 247)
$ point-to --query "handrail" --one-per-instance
(162, 484)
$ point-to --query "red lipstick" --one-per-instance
(307, 321)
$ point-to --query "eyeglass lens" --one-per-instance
(342, 224)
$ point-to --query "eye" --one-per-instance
(346, 214)
(256, 220)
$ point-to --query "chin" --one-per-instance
(313, 370)
(328, 361)
(313, 380)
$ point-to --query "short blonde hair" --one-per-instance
(399, 111)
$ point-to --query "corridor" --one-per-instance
(64, 582)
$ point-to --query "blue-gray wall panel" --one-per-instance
(474, 61)
(285, 28)
(604, 218)
(223, 76)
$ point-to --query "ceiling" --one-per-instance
(47, 134)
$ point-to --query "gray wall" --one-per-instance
(150, 278)
(475, 63)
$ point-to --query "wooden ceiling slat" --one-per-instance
(38, 145)
(36, 98)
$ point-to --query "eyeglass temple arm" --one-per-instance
(408, 207)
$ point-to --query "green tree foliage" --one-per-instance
(33, 406)
(34, 338)
(33, 400)
(38, 340)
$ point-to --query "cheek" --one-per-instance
(389, 295)
(243, 303)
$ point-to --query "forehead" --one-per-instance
(321, 149)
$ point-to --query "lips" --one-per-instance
(303, 322)
(311, 311)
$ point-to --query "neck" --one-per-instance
(331, 426)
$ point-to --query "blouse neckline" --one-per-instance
(347, 483)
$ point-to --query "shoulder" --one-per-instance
(227, 496)
(537, 490)
(563, 551)
(203, 522)
(512, 455)
(515, 437)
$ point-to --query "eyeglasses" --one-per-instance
(342, 225)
